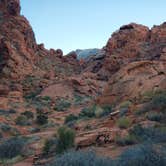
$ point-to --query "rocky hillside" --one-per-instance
(111, 101)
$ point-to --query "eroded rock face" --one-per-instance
(134, 62)
(11, 7)
(132, 42)
(158, 33)
(127, 37)
(133, 80)
(17, 42)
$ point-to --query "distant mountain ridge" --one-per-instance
(84, 53)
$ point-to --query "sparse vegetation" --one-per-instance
(71, 118)
(123, 122)
(88, 112)
(62, 105)
(7, 112)
(22, 120)
(96, 111)
(125, 104)
(11, 148)
(127, 140)
(158, 102)
(154, 116)
(66, 139)
(155, 106)
(150, 134)
(107, 109)
(5, 127)
(42, 117)
(73, 158)
(28, 114)
(142, 155)
(50, 146)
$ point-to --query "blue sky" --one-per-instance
(80, 24)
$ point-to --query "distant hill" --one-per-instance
(83, 54)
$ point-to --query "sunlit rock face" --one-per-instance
(17, 41)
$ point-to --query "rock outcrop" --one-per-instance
(10, 7)
(17, 41)
(134, 62)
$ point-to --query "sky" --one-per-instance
(83, 24)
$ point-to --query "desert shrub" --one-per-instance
(62, 105)
(2, 112)
(78, 99)
(22, 120)
(156, 100)
(150, 134)
(66, 139)
(127, 140)
(80, 158)
(96, 111)
(123, 111)
(5, 127)
(71, 118)
(1, 135)
(88, 112)
(154, 116)
(125, 104)
(7, 112)
(123, 122)
(11, 147)
(41, 118)
(12, 111)
(46, 98)
(41, 102)
(28, 114)
(50, 146)
(159, 102)
(142, 155)
(107, 109)
(34, 130)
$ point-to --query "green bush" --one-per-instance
(156, 101)
(142, 155)
(88, 112)
(50, 146)
(127, 140)
(7, 112)
(154, 116)
(66, 139)
(22, 120)
(150, 134)
(123, 122)
(81, 158)
(107, 109)
(11, 148)
(125, 104)
(62, 105)
(41, 118)
(28, 114)
(71, 118)
(96, 111)
(5, 127)
(159, 101)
